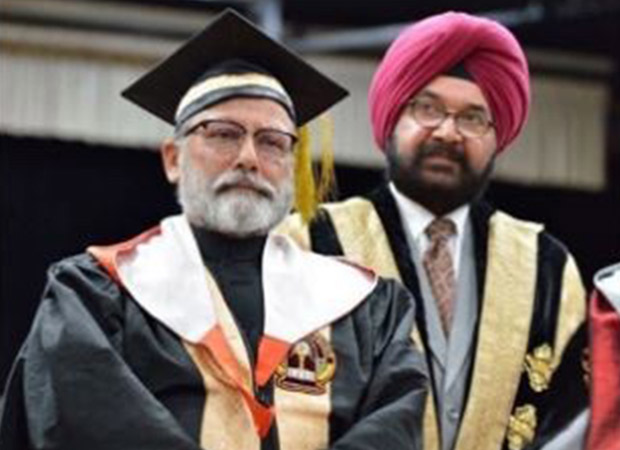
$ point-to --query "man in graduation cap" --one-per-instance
(208, 331)
(500, 300)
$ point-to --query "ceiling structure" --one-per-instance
(591, 26)
(334, 26)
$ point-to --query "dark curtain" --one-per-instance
(56, 199)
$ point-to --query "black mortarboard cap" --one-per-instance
(231, 36)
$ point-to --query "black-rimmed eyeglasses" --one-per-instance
(431, 113)
(227, 138)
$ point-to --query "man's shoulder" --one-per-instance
(94, 260)
(545, 237)
(81, 274)
(351, 210)
(79, 289)
(351, 206)
(83, 263)
(556, 268)
(505, 218)
(379, 289)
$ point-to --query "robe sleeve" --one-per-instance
(70, 387)
(390, 414)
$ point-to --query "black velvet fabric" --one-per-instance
(236, 265)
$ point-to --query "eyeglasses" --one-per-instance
(431, 113)
(227, 138)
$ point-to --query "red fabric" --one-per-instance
(216, 342)
(604, 431)
(271, 352)
(489, 53)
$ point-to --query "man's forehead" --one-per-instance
(457, 90)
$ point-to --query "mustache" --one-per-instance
(240, 179)
(454, 152)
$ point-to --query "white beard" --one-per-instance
(210, 203)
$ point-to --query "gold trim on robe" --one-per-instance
(572, 311)
(227, 423)
(503, 332)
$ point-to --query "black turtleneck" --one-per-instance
(236, 264)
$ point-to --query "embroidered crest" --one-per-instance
(309, 366)
(521, 427)
(539, 367)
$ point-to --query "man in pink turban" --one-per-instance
(500, 303)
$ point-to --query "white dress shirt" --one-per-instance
(416, 218)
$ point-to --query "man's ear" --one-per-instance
(170, 159)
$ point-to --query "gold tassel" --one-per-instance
(326, 182)
(305, 190)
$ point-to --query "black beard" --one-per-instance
(438, 199)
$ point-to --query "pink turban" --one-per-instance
(426, 49)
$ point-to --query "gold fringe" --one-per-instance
(305, 190)
(327, 180)
(307, 194)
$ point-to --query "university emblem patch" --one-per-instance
(309, 366)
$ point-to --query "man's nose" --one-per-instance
(447, 130)
(248, 157)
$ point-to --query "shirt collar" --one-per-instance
(416, 217)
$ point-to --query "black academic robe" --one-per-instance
(515, 400)
(100, 370)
